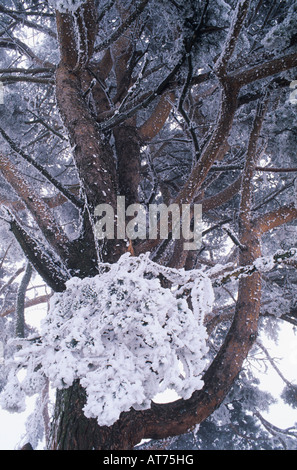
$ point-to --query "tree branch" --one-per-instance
(264, 70)
(37, 207)
(287, 382)
(124, 26)
(77, 34)
(153, 125)
(23, 49)
(250, 163)
(6, 79)
(275, 218)
(30, 24)
(47, 265)
(68, 195)
(13, 277)
(196, 147)
(215, 148)
(237, 21)
(20, 303)
(92, 155)
(41, 299)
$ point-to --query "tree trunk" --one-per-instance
(71, 430)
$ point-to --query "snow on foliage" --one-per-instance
(123, 335)
(66, 5)
(278, 37)
(13, 400)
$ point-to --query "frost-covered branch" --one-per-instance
(77, 33)
(276, 218)
(41, 299)
(250, 163)
(272, 362)
(6, 79)
(275, 431)
(123, 336)
(30, 24)
(20, 303)
(37, 207)
(241, 10)
(70, 196)
(234, 238)
(215, 148)
(28, 71)
(47, 264)
(23, 49)
(140, 6)
(257, 168)
(189, 123)
(12, 278)
(262, 264)
(40, 120)
(264, 70)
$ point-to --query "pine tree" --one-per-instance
(158, 102)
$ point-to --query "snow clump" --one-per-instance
(66, 6)
(123, 335)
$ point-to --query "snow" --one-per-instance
(264, 264)
(14, 398)
(66, 5)
(123, 335)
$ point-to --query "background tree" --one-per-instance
(174, 102)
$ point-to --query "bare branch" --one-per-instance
(257, 168)
(30, 71)
(6, 79)
(272, 362)
(41, 299)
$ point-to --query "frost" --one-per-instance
(124, 336)
(278, 38)
(66, 5)
(13, 400)
(35, 425)
(264, 264)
